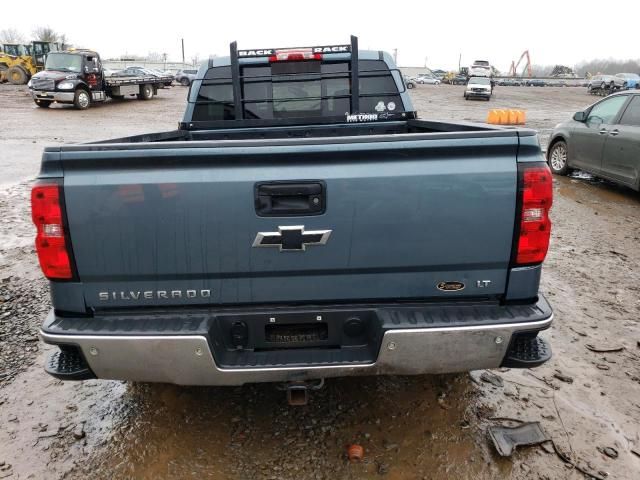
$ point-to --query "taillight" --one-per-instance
(535, 190)
(294, 54)
(51, 244)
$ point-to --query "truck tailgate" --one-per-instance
(175, 224)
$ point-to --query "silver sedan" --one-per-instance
(603, 140)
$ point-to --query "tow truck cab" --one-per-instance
(70, 76)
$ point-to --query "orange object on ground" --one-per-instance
(355, 453)
(506, 117)
(493, 117)
(513, 117)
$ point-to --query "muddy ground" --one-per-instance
(430, 427)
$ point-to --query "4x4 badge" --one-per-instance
(292, 239)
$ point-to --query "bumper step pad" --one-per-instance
(68, 364)
(526, 351)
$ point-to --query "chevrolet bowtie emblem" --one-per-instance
(291, 239)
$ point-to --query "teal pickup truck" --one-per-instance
(300, 224)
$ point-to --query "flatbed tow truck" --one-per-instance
(77, 77)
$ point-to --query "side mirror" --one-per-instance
(580, 116)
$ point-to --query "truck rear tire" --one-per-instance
(82, 99)
(17, 76)
(146, 92)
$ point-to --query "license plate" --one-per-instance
(296, 333)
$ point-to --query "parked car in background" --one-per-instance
(557, 82)
(131, 71)
(509, 82)
(426, 80)
(535, 82)
(601, 81)
(480, 68)
(134, 71)
(185, 77)
(458, 80)
(161, 73)
(603, 140)
(627, 80)
(478, 87)
(409, 82)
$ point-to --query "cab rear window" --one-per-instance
(300, 89)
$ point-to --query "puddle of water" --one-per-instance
(166, 431)
(581, 175)
(586, 188)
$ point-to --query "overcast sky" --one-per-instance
(554, 32)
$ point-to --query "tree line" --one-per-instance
(585, 68)
(40, 34)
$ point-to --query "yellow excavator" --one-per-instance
(19, 62)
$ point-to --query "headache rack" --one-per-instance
(270, 56)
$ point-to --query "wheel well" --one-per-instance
(555, 140)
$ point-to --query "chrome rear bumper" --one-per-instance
(188, 359)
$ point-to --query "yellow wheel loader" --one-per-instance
(19, 62)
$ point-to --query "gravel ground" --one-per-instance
(431, 427)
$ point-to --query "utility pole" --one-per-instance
(164, 57)
(425, 62)
(182, 40)
(459, 62)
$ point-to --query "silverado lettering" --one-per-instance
(151, 294)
